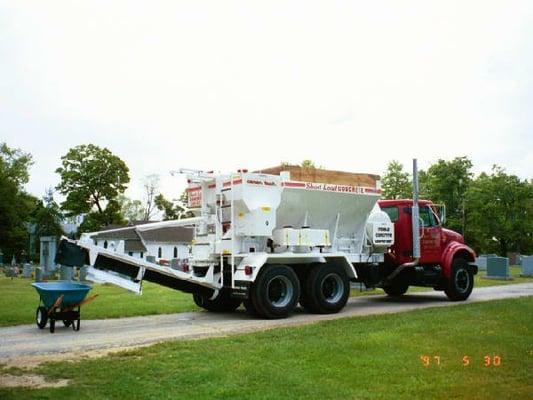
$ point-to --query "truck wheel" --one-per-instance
(275, 292)
(461, 281)
(222, 303)
(250, 308)
(396, 289)
(41, 317)
(326, 289)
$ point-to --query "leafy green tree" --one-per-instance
(91, 179)
(447, 182)
(47, 216)
(173, 210)
(395, 183)
(15, 204)
(500, 213)
(131, 210)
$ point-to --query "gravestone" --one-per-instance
(481, 261)
(175, 263)
(83, 273)
(66, 273)
(527, 266)
(27, 270)
(48, 254)
(498, 268)
(38, 274)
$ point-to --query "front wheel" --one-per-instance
(461, 282)
(275, 292)
(396, 289)
(222, 303)
(41, 317)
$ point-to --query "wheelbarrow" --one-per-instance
(61, 301)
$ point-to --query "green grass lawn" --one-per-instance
(374, 357)
(19, 300)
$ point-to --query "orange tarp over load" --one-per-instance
(319, 175)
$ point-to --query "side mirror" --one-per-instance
(440, 210)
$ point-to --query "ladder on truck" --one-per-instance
(221, 203)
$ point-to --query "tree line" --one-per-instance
(493, 210)
(92, 180)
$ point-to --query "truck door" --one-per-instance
(430, 241)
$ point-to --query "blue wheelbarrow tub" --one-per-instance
(72, 292)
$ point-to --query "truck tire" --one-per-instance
(275, 292)
(250, 308)
(326, 289)
(222, 303)
(461, 282)
(396, 289)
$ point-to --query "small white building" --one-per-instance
(164, 244)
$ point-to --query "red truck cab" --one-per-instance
(445, 260)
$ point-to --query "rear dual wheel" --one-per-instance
(325, 289)
(275, 292)
(223, 302)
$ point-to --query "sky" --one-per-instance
(224, 85)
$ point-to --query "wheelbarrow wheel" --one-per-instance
(67, 322)
(52, 325)
(41, 317)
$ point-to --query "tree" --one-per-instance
(131, 210)
(15, 204)
(151, 190)
(91, 180)
(171, 210)
(47, 216)
(500, 213)
(395, 183)
(447, 182)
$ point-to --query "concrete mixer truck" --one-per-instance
(271, 241)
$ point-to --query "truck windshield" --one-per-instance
(392, 212)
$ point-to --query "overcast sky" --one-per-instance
(233, 84)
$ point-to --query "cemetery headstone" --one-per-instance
(66, 273)
(83, 273)
(27, 270)
(527, 266)
(48, 254)
(498, 268)
(38, 274)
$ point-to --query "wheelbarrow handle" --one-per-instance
(87, 300)
(56, 304)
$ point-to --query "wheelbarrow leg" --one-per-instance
(52, 325)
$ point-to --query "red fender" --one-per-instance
(452, 250)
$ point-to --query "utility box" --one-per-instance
(527, 266)
(498, 268)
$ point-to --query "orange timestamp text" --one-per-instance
(467, 361)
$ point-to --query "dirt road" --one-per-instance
(25, 345)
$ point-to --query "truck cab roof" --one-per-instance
(402, 202)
